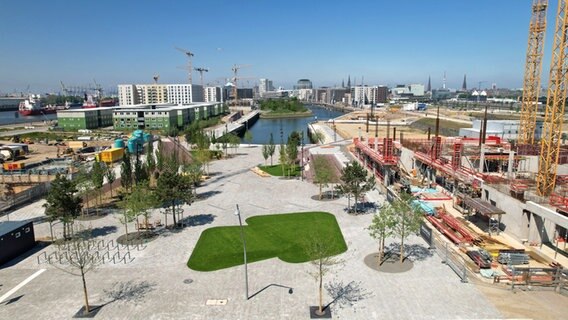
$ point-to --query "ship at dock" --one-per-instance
(32, 107)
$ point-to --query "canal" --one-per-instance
(13, 117)
(262, 129)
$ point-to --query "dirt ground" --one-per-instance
(350, 130)
(522, 304)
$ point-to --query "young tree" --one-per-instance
(248, 137)
(265, 152)
(97, 178)
(323, 173)
(137, 203)
(160, 158)
(283, 158)
(234, 141)
(194, 172)
(271, 147)
(320, 252)
(79, 255)
(126, 172)
(174, 190)
(204, 156)
(292, 152)
(140, 174)
(62, 204)
(111, 177)
(318, 137)
(408, 216)
(354, 179)
(150, 159)
(382, 227)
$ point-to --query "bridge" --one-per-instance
(239, 126)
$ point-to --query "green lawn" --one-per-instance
(276, 170)
(280, 235)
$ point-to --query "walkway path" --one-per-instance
(169, 290)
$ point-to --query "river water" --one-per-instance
(262, 129)
(13, 117)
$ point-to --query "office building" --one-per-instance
(363, 95)
(184, 93)
(382, 94)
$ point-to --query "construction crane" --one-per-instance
(555, 105)
(236, 69)
(189, 55)
(533, 71)
(201, 70)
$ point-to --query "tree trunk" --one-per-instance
(320, 191)
(320, 312)
(110, 184)
(356, 196)
(126, 227)
(87, 308)
(174, 213)
(271, 161)
(402, 246)
(381, 250)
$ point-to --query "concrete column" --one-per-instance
(481, 159)
(511, 162)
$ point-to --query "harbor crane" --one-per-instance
(189, 56)
(64, 89)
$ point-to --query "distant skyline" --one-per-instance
(387, 43)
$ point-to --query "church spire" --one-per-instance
(429, 87)
(349, 82)
(464, 85)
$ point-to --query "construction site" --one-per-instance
(499, 206)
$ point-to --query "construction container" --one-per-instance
(14, 166)
(76, 144)
(119, 143)
(110, 155)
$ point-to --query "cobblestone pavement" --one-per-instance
(163, 287)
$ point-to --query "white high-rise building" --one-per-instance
(213, 94)
(364, 95)
(127, 94)
(184, 93)
(264, 85)
(131, 94)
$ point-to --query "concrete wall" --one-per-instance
(513, 219)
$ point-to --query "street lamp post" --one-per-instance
(238, 214)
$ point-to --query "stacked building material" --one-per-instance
(513, 258)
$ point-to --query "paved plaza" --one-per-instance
(161, 286)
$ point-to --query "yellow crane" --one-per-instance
(555, 103)
(533, 70)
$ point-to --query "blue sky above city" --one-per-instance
(386, 42)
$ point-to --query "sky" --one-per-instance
(379, 42)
